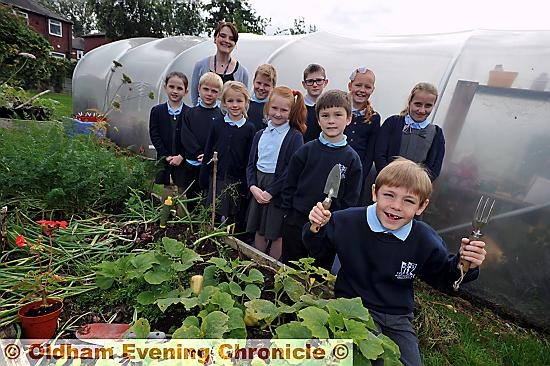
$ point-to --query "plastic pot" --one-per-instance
(42, 326)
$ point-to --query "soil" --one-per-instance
(43, 310)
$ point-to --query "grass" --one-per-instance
(453, 331)
(65, 107)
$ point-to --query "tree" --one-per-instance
(24, 54)
(299, 27)
(121, 19)
(81, 13)
(181, 17)
(239, 12)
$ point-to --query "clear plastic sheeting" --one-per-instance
(494, 108)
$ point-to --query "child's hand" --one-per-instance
(257, 193)
(199, 158)
(472, 251)
(175, 160)
(267, 196)
(319, 215)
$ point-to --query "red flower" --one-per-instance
(53, 224)
(20, 241)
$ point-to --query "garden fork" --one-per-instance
(480, 219)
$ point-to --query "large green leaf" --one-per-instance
(141, 328)
(235, 319)
(254, 276)
(252, 291)
(191, 321)
(351, 308)
(335, 320)
(187, 332)
(235, 288)
(293, 330)
(371, 348)
(313, 314)
(356, 330)
(221, 264)
(163, 304)
(189, 257)
(206, 294)
(189, 302)
(144, 261)
(261, 309)
(103, 282)
(293, 288)
(214, 325)
(157, 276)
(172, 247)
(223, 300)
(146, 298)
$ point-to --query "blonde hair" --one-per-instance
(333, 98)
(211, 78)
(239, 88)
(268, 71)
(298, 110)
(407, 174)
(369, 109)
(427, 87)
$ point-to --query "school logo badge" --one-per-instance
(407, 269)
(343, 169)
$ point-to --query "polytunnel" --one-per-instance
(494, 108)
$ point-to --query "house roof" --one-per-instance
(35, 7)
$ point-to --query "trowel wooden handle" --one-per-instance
(314, 228)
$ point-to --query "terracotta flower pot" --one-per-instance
(42, 326)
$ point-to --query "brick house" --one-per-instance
(55, 28)
(94, 40)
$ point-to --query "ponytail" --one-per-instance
(298, 112)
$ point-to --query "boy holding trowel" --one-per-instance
(324, 168)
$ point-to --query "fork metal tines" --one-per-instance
(481, 215)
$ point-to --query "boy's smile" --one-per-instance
(333, 121)
(262, 86)
(396, 206)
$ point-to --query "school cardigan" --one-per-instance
(313, 129)
(202, 67)
(362, 137)
(388, 145)
(379, 267)
(256, 115)
(233, 146)
(308, 171)
(291, 142)
(161, 133)
(195, 128)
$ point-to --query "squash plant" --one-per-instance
(234, 301)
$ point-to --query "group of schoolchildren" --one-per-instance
(276, 148)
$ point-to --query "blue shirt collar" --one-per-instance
(308, 101)
(217, 104)
(375, 225)
(254, 99)
(238, 123)
(174, 111)
(410, 123)
(357, 112)
(279, 129)
(326, 142)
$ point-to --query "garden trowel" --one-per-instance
(331, 190)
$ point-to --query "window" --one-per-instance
(22, 14)
(79, 54)
(55, 27)
(58, 54)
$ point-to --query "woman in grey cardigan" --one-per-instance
(225, 38)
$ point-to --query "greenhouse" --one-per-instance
(493, 106)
